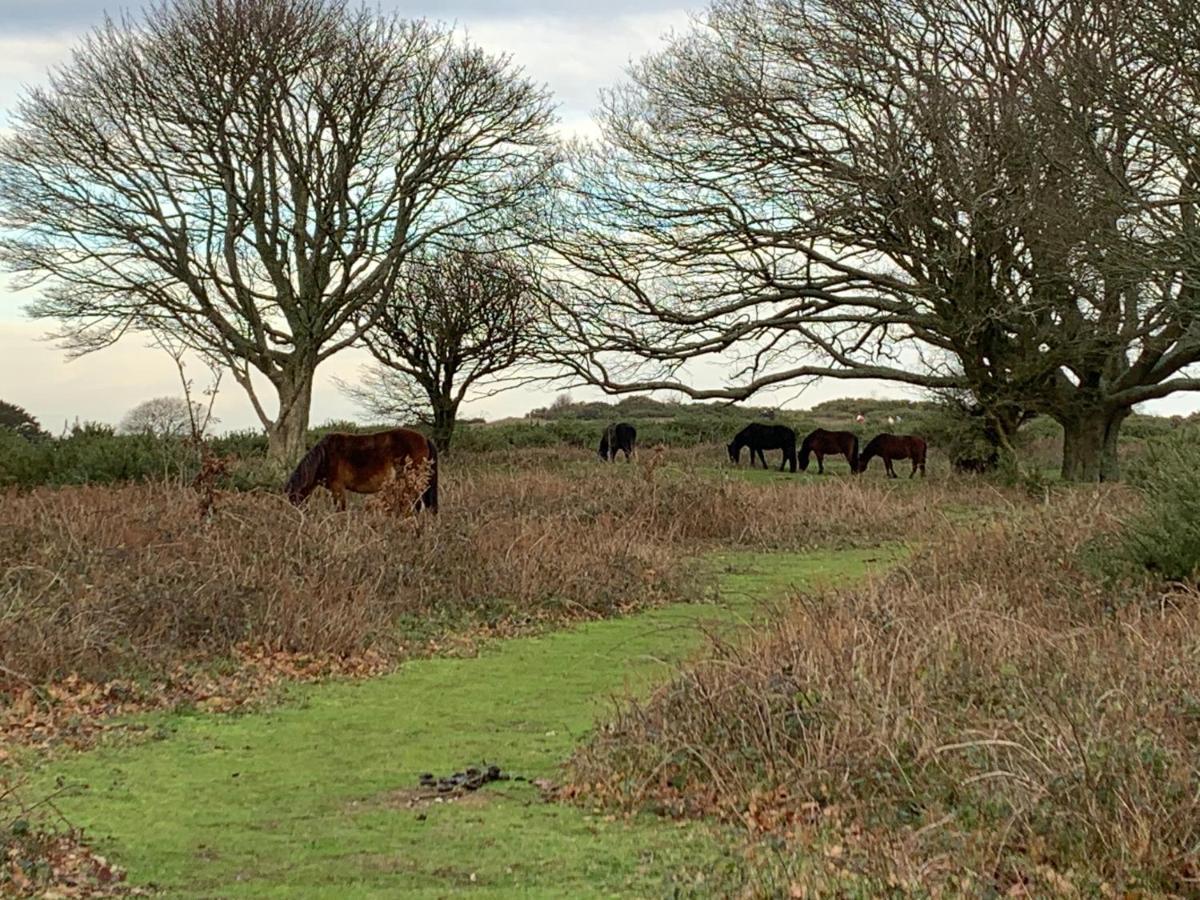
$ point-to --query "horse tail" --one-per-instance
(854, 453)
(307, 472)
(429, 499)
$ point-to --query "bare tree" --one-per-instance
(458, 323)
(955, 194)
(247, 175)
(165, 417)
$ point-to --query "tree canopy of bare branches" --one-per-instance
(167, 417)
(991, 195)
(459, 321)
(248, 175)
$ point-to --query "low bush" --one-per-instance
(1163, 537)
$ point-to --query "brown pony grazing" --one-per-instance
(363, 463)
(892, 447)
(821, 442)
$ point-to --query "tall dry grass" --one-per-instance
(105, 581)
(979, 720)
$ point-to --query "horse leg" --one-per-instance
(891, 470)
(339, 497)
(914, 471)
(761, 457)
(820, 463)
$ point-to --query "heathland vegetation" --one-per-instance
(1006, 707)
(982, 682)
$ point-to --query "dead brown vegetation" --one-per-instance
(105, 582)
(980, 719)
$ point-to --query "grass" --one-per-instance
(308, 799)
(202, 613)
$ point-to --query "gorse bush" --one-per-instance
(1163, 539)
(92, 456)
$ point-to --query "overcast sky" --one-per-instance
(575, 52)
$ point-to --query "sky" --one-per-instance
(575, 51)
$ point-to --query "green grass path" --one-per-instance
(311, 798)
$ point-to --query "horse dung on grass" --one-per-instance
(365, 464)
(759, 437)
(892, 447)
(621, 436)
(822, 442)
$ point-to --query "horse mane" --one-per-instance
(307, 472)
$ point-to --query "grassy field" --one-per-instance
(687, 656)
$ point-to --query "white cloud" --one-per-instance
(576, 57)
(25, 61)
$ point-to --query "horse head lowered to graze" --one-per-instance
(759, 437)
(892, 447)
(364, 464)
(619, 436)
(822, 442)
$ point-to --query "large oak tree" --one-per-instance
(248, 175)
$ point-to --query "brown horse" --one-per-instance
(363, 463)
(821, 442)
(892, 447)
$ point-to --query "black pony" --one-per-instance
(621, 436)
(759, 437)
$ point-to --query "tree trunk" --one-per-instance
(1090, 445)
(287, 435)
(445, 417)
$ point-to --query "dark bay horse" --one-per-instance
(892, 447)
(759, 437)
(822, 442)
(621, 436)
(363, 463)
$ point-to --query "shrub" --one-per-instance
(1163, 539)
